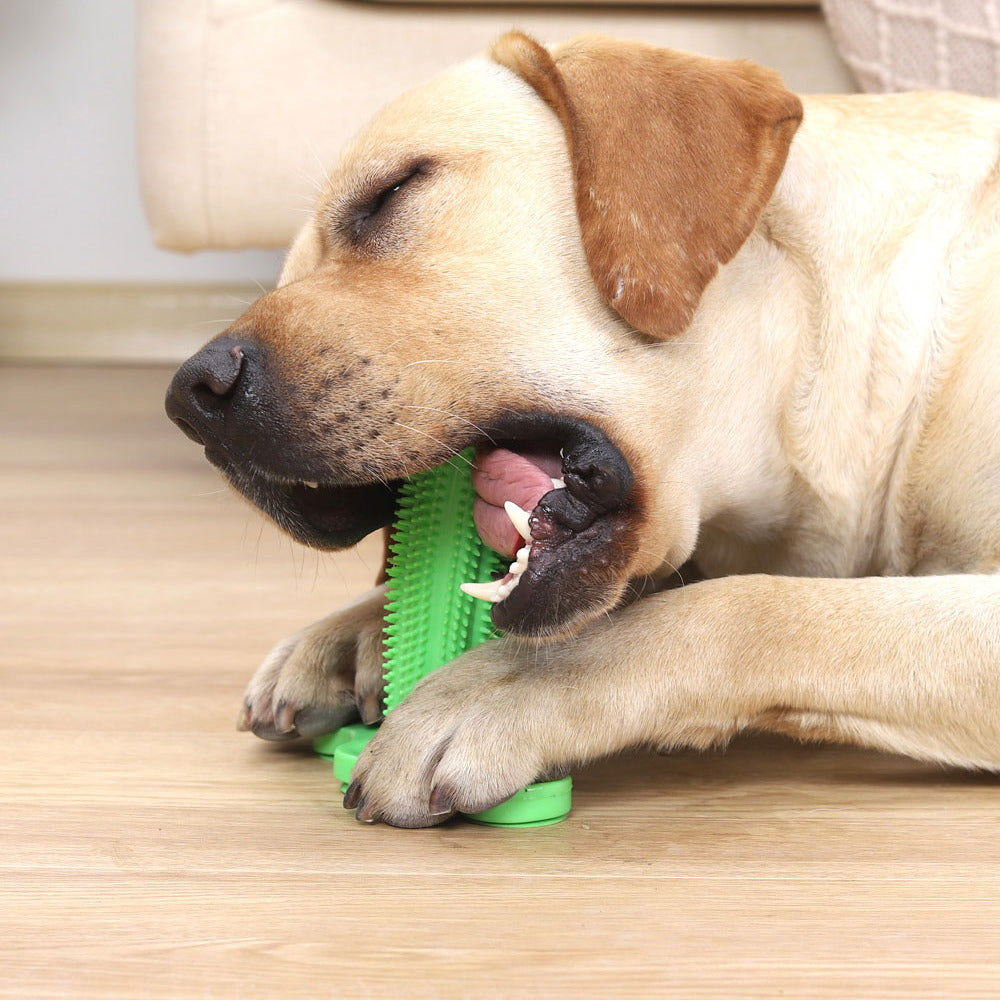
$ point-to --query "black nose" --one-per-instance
(203, 389)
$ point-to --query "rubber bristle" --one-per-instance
(434, 547)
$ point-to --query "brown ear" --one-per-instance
(674, 157)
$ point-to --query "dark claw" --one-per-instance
(442, 801)
(370, 709)
(353, 795)
(364, 813)
(266, 731)
(244, 719)
(320, 721)
(284, 718)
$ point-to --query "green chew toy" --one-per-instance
(428, 622)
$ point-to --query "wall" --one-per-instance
(71, 204)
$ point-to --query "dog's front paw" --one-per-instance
(321, 678)
(468, 736)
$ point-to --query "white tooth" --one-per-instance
(312, 486)
(519, 518)
(558, 484)
(482, 591)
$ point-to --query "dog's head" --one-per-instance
(491, 264)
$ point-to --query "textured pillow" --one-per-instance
(920, 44)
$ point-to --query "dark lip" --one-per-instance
(583, 573)
(329, 517)
(585, 534)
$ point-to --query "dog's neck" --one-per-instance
(821, 339)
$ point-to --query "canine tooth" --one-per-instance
(519, 518)
(482, 591)
(558, 484)
(311, 485)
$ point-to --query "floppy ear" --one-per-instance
(674, 157)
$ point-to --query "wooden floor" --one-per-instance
(149, 850)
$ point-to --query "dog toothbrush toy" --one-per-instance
(434, 546)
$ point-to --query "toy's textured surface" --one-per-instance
(434, 548)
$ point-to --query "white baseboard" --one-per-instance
(116, 324)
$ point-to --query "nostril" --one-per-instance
(189, 430)
(221, 374)
(206, 387)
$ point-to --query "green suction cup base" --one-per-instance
(542, 804)
(344, 747)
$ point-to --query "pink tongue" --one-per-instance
(501, 475)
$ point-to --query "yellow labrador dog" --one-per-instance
(689, 320)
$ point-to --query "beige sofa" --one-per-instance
(243, 104)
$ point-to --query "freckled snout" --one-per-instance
(259, 426)
(207, 387)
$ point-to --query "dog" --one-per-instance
(699, 329)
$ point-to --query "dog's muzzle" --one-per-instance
(227, 399)
(316, 484)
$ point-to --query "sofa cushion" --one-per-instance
(244, 104)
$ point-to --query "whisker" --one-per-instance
(433, 361)
(389, 347)
(450, 449)
(364, 562)
(457, 416)
(675, 571)
(315, 186)
(256, 552)
(323, 169)
(377, 475)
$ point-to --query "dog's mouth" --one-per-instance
(322, 516)
(554, 494)
(559, 499)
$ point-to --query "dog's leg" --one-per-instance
(910, 665)
(317, 680)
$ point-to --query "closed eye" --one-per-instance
(371, 211)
